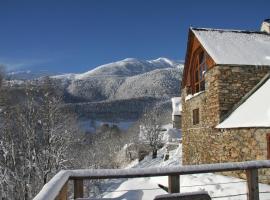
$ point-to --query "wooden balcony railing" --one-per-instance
(57, 187)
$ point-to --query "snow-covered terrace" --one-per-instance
(56, 188)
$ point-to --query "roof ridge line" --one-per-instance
(228, 30)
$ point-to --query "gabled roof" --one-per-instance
(253, 110)
(233, 47)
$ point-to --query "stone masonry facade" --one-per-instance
(225, 86)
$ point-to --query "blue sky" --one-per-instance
(77, 35)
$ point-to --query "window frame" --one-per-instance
(198, 69)
(196, 116)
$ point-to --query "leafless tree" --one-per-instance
(150, 131)
(34, 141)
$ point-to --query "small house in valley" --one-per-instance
(176, 112)
(226, 96)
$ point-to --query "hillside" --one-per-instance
(119, 91)
(129, 78)
(126, 67)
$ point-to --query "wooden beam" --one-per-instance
(52, 190)
(174, 184)
(63, 194)
(78, 188)
(166, 171)
(252, 184)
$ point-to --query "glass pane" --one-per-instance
(201, 57)
(196, 76)
(197, 88)
(201, 71)
(202, 86)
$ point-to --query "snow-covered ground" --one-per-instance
(218, 186)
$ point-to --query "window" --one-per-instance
(196, 117)
(198, 70)
(268, 145)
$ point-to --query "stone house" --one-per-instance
(226, 97)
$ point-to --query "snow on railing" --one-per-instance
(56, 188)
(52, 189)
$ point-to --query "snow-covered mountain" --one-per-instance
(124, 68)
(120, 90)
(128, 78)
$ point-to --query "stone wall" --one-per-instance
(236, 82)
(203, 143)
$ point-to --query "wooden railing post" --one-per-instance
(78, 188)
(63, 194)
(174, 184)
(252, 184)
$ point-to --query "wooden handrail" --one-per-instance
(51, 190)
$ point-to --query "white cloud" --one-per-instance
(17, 64)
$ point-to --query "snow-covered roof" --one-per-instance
(235, 47)
(254, 111)
(176, 105)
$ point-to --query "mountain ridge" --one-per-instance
(128, 78)
(125, 67)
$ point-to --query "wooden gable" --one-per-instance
(193, 46)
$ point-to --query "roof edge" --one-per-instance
(246, 127)
(228, 30)
(239, 65)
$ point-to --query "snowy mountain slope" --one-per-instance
(130, 67)
(161, 83)
(124, 68)
(129, 78)
(95, 88)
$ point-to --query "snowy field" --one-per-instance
(218, 186)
